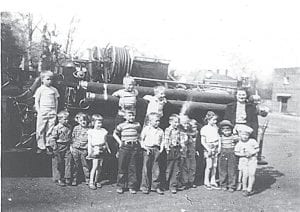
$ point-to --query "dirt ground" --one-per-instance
(277, 186)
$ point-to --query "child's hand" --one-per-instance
(117, 154)
(197, 153)
(161, 150)
(108, 150)
(148, 151)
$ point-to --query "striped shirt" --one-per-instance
(80, 137)
(127, 100)
(128, 132)
(227, 142)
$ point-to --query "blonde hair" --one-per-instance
(159, 89)
(152, 115)
(173, 117)
(63, 114)
(209, 116)
(96, 117)
(128, 79)
(82, 115)
(44, 74)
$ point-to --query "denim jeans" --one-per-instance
(173, 167)
(127, 166)
(227, 168)
(62, 156)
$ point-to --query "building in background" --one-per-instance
(286, 90)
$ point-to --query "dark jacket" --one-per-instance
(251, 119)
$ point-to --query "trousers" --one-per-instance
(188, 166)
(150, 171)
(227, 168)
(62, 156)
(79, 158)
(173, 167)
(127, 166)
(44, 126)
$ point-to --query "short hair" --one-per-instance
(129, 112)
(242, 89)
(209, 115)
(193, 122)
(44, 74)
(152, 115)
(63, 114)
(184, 118)
(173, 117)
(96, 117)
(128, 79)
(158, 89)
(82, 115)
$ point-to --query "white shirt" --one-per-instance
(151, 136)
(96, 137)
(240, 113)
(47, 96)
(210, 133)
(155, 105)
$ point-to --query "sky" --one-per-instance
(254, 36)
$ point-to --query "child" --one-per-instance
(97, 147)
(127, 135)
(46, 102)
(60, 143)
(210, 141)
(247, 149)
(156, 102)
(127, 99)
(172, 146)
(185, 162)
(227, 159)
(151, 142)
(191, 152)
(79, 147)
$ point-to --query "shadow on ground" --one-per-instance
(265, 177)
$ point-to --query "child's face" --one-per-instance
(160, 94)
(47, 80)
(241, 96)
(129, 117)
(82, 121)
(226, 131)
(194, 127)
(185, 123)
(174, 123)
(244, 136)
(98, 123)
(63, 120)
(212, 121)
(129, 85)
(154, 122)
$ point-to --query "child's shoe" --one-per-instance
(74, 183)
(231, 190)
(87, 181)
(61, 183)
(92, 186)
(159, 191)
(245, 193)
(194, 186)
(224, 188)
(208, 186)
(98, 185)
(239, 187)
(120, 190)
(145, 191)
(173, 190)
(215, 186)
(132, 191)
(68, 181)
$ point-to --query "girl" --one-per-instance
(211, 142)
(97, 147)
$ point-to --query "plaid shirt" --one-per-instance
(80, 137)
(60, 134)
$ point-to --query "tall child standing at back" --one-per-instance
(211, 142)
(127, 101)
(46, 103)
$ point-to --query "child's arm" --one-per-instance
(238, 151)
(219, 145)
(117, 138)
(53, 138)
(106, 144)
(203, 142)
(116, 94)
(37, 97)
(89, 145)
(161, 149)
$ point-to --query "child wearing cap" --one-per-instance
(127, 136)
(127, 98)
(97, 148)
(247, 149)
(227, 158)
(59, 141)
(210, 140)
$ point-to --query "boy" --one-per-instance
(127, 136)
(60, 143)
(172, 146)
(227, 159)
(156, 102)
(79, 147)
(46, 102)
(247, 149)
(127, 99)
(151, 142)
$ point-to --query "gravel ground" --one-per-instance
(277, 186)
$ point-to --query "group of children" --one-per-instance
(88, 141)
